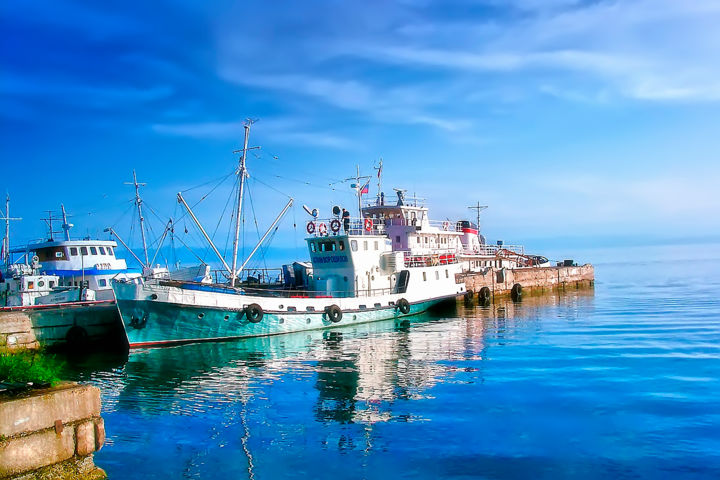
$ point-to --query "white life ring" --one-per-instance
(446, 225)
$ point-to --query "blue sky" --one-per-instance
(568, 118)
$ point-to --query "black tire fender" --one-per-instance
(334, 314)
(516, 292)
(76, 337)
(254, 313)
(403, 305)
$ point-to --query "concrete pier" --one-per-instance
(51, 434)
(533, 280)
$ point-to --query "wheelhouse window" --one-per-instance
(93, 250)
(83, 251)
(102, 250)
(73, 251)
(51, 253)
(102, 282)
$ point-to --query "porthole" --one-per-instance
(282, 320)
(201, 315)
(227, 317)
(354, 317)
(308, 320)
(41, 283)
(281, 307)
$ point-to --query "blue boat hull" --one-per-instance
(152, 323)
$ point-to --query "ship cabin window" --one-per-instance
(51, 253)
(426, 239)
(447, 274)
(51, 283)
(437, 275)
(93, 250)
(327, 246)
(424, 276)
(83, 251)
(418, 239)
(73, 251)
(365, 245)
(341, 244)
(397, 239)
(376, 245)
(30, 285)
(102, 282)
(313, 247)
(102, 250)
(353, 245)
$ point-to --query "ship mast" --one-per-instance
(138, 203)
(65, 225)
(479, 208)
(6, 238)
(242, 173)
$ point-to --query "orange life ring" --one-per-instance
(335, 225)
(310, 227)
(368, 224)
(322, 229)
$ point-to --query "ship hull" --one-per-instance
(155, 322)
(77, 325)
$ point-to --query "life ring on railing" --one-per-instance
(334, 314)
(322, 229)
(254, 313)
(403, 305)
(446, 225)
(335, 225)
(310, 227)
(368, 224)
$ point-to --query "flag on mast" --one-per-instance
(365, 188)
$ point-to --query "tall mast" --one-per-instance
(479, 208)
(359, 192)
(65, 225)
(379, 175)
(242, 173)
(138, 203)
(6, 238)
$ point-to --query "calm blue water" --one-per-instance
(619, 382)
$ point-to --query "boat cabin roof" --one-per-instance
(33, 247)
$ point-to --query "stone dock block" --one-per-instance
(85, 438)
(20, 454)
(14, 322)
(99, 433)
(69, 403)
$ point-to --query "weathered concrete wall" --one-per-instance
(51, 433)
(501, 281)
(16, 331)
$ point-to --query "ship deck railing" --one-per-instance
(276, 290)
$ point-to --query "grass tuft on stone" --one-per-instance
(29, 366)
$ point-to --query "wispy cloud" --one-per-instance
(277, 130)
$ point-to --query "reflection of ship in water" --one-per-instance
(363, 374)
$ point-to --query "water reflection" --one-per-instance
(358, 371)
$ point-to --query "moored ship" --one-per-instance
(357, 276)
